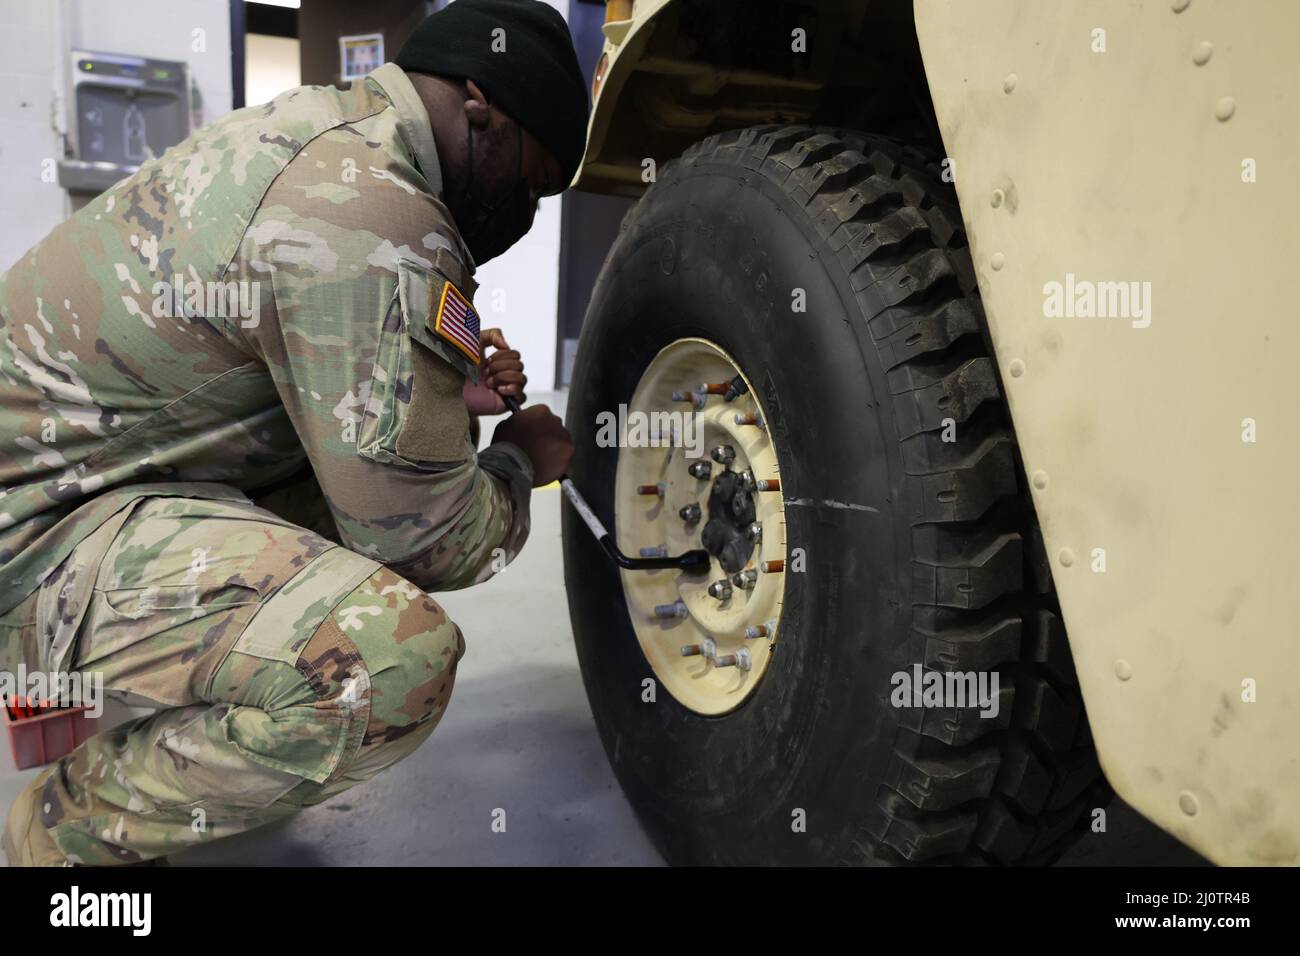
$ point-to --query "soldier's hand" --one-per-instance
(501, 373)
(543, 438)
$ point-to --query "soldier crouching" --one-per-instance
(141, 416)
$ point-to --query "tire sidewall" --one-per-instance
(717, 251)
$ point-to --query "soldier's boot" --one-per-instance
(25, 841)
(296, 718)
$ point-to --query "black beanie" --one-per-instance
(536, 80)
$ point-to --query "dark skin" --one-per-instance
(455, 107)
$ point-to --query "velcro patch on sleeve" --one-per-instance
(421, 294)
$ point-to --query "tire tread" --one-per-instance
(960, 789)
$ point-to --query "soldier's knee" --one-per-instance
(355, 693)
(409, 649)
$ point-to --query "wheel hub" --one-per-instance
(708, 637)
(727, 536)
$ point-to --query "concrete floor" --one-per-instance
(518, 737)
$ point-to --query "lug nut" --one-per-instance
(715, 388)
(735, 388)
(676, 609)
(656, 490)
(754, 532)
(657, 552)
(723, 454)
(695, 399)
(747, 480)
(758, 630)
(772, 567)
(707, 649)
(701, 470)
(720, 589)
(768, 484)
(748, 418)
(745, 579)
(690, 513)
(739, 659)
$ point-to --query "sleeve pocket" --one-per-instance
(415, 415)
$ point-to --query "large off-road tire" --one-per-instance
(902, 487)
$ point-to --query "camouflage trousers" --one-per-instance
(286, 669)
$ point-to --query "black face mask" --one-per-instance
(489, 229)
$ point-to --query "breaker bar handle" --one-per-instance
(692, 562)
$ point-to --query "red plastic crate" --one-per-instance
(47, 736)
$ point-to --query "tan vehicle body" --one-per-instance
(1141, 150)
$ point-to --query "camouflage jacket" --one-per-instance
(266, 293)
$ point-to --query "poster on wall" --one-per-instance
(359, 55)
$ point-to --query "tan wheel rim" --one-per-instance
(731, 640)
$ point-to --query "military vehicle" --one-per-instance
(981, 313)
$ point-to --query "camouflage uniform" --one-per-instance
(135, 437)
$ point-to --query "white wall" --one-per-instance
(519, 293)
(28, 206)
(196, 31)
(271, 66)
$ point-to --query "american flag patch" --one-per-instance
(457, 322)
